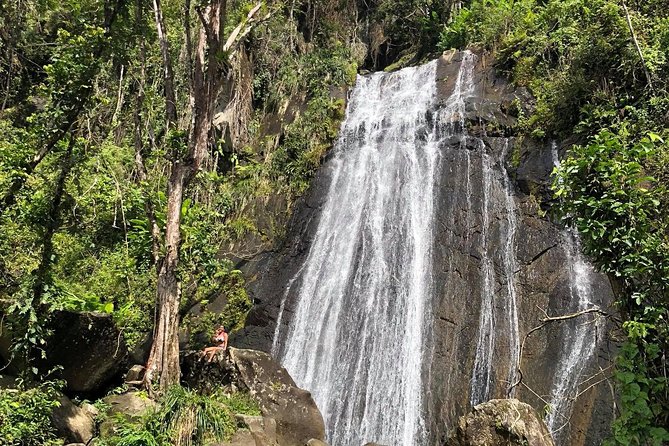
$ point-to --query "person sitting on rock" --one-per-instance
(220, 339)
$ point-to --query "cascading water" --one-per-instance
(355, 322)
(510, 268)
(485, 345)
(372, 253)
(581, 332)
(582, 335)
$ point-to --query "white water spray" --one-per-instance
(357, 337)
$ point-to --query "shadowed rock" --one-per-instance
(89, 348)
(73, 423)
(297, 418)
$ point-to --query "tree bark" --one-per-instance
(163, 365)
(142, 176)
(168, 74)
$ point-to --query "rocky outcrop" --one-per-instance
(89, 348)
(293, 409)
(298, 419)
(254, 431)
(73, 423)
(501, 423)
(131, 406)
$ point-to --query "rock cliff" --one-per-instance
(491, 223)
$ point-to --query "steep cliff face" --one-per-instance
(499, 269)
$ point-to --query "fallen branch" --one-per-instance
(573, 315)
(545, 321)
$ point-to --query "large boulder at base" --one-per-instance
(131, 405)
(73, 423)
(254, 431)
(297, 417)
(89, 348)
(501, 423)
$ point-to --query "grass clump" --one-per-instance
(185, 417)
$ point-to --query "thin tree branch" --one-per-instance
(638, 48)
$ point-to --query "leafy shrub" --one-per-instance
(622, 215)
(24, 416)
(201, 327)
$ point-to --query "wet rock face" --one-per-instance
(501, 423)
(542, 277)
(484, 178)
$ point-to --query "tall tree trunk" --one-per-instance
(168, 74)
(163, 364)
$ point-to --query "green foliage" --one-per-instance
(290, 166)
(412, 26)
(185, 417)
(24, 416)
(621, 213)
(639, 386)
(202, 326)
(576, 56)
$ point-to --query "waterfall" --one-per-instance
(581, 332)
(482, 374)
(355, 322)
(372, 253)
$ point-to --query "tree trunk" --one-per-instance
(168, 74)
(163, 364)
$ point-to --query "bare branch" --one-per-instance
(545, 321)
(235, 33)
(573, 315)
(638, 48)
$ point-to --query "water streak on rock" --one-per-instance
(581, 333)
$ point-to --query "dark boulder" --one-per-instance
(89, 348)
